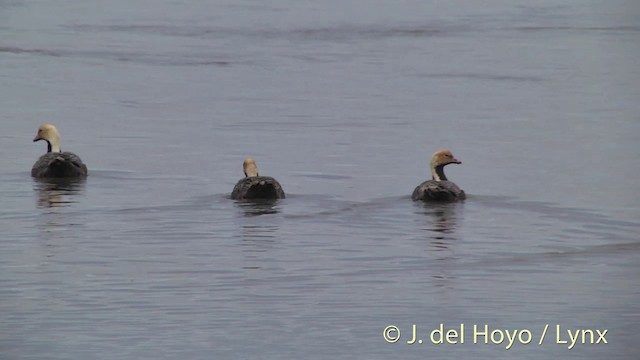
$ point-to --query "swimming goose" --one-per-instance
(254, 186)
(55, 163)
(439, 188)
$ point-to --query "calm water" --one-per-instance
(343, 102)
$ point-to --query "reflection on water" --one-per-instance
(56, 195)
(441, 223)
(257, 235)
(58, 192)
(258, 207)
(444, 219)
(256, 241)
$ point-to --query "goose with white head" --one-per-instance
(253, 186)
(56, 163)
(439, 188)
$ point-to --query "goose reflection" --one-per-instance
(256, 240)
(258, 207)
(441, 224)
(52, 192)
(442, 228)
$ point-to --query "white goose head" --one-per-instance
(439, 160)
(250, 168)
(50, 134)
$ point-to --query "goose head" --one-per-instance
(439, 160)
(49, 133)
(250, 168)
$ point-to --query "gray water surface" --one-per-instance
(342, 102)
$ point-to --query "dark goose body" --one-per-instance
(432, 190)
(59, 165)
(257, 187)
